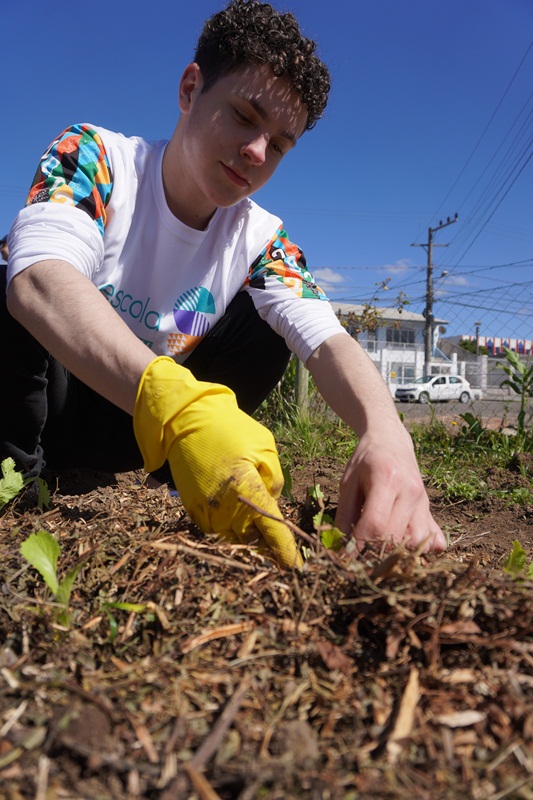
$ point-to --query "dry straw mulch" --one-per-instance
(393, 676)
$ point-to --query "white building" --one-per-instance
(397, 344)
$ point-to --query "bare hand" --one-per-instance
(383, 499)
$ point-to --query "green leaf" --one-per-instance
(287, 484)
(113, 625)
(315, 492)
(138, 608)
(11, 483)
(43, 498)
(512, 384)
(515, 360)
(65, 587)
(515, 563)
(42, 552)
(332, 538)
(317, 520)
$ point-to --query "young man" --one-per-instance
(144, 282)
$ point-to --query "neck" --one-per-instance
(180, 192)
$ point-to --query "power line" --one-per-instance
(487, 126)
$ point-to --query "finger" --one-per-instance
(404, 520)
(379, 519)
(278, 536)
(245, 520)
(271, 473)
(437, 542)
(349, 509)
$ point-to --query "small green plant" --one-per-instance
(330, 536)
(42, 551)
(287, 483)
(520, 380)
(516, 562)
(12, 482)
(136, 608)
(473, 429)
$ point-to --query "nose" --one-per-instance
(255, 150)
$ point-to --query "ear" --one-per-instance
(190, 84)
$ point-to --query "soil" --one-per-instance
(392, 675)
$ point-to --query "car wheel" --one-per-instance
(464, 397)
(423, 398)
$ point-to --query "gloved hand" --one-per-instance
(216, 452)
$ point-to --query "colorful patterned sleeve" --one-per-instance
(285, 262)
(75, 170)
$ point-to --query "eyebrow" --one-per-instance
(264, 116)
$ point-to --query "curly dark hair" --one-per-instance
(250, 32)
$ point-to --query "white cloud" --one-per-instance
(398, 268)
(455, 280)
(327, 279)
(443, 285)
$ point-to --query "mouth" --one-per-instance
(236, 177)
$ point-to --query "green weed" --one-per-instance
(330, 536)
(42, 551)
(12, 483)
(516, 562)
(520, 380)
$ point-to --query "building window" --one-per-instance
(401, 372)
(371, 342)
(401, 336)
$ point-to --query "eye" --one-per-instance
(241, 117)
(277, 149)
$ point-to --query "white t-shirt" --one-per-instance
(98, 202)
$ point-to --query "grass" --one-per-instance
(465, 464)
(462, 462)
(305, 436)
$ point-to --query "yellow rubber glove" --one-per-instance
(216, 452)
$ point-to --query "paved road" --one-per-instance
(491, 409)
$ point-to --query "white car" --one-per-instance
(433, 388)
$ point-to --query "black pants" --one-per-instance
(50, 418)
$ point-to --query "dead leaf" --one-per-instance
(460, 719)
(333, 657)
(406, 715)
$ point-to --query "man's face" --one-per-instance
(236, 133)
(4, 250)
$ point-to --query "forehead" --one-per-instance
(273, 97)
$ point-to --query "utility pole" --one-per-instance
(428, 311)
(302, 388)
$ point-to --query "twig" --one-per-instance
(145, 739)
(510, 790)
(216, 633)
(43, 772)
(405, 719)
(210, 746)
(209, 557)
(178, 789)
(200, 783)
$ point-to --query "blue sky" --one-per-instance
(431, 114)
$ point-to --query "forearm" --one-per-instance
(352, 386)
(84, 334)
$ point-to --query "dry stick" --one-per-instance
(510, 790)
(208, 749)
(209, 557)
(215, 633)
(43, 771)
(200, 783)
